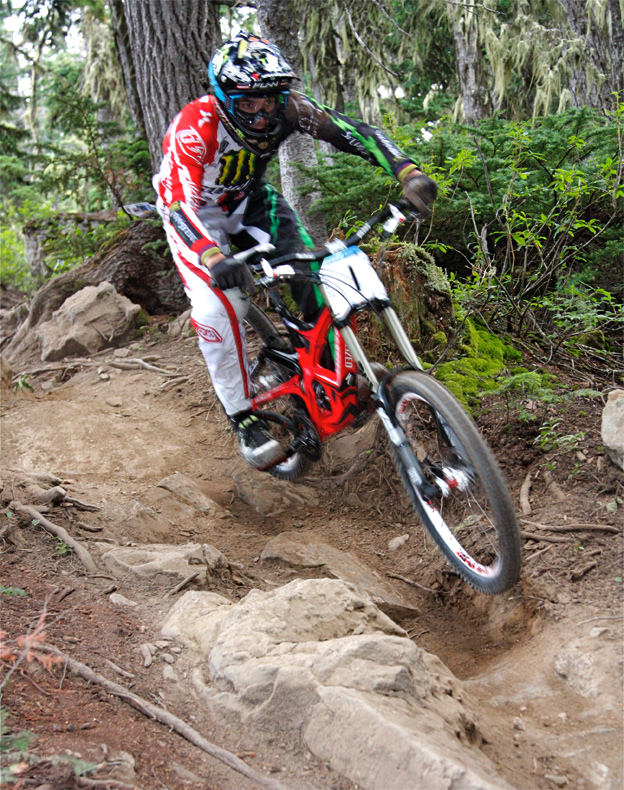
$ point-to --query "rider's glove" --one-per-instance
(228, 273)
(421, 191)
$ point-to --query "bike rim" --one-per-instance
(461, 514)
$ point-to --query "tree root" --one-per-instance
(575, 527)
(525, 504)
(544, 538)
(79, 550)
(168, 719)
(576, 576)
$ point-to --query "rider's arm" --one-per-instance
(189, 143)
(348, 135)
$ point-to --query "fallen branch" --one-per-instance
(554, 487)
(124, 673)
(604, 617)
(575, 527)
(525, 505)
(133, 364)
(537, 553)
(168, 719)
(83, 554)
(80, 505)
(576, 576)
(411, 582)
(103, 784)
(169, 385)
(544, 538)
(180, 586)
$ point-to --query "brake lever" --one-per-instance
(406, 207)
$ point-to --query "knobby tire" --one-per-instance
(473, 522)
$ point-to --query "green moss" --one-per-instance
(424, 263)
(439, 339)
(142, 318)
(483, 357)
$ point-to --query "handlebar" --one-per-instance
(392, 216)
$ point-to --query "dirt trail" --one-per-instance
(112, 435)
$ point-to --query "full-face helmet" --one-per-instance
(247, 68)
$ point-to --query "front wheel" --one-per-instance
(471, 516)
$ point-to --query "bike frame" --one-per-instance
(330, 396)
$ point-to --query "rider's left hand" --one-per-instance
(421, 191)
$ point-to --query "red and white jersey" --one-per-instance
(202, 162)
(206, 163)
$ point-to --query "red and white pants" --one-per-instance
(263, 216)
(216, 315)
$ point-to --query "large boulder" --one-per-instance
(94, 318)
(318, 664)
(305, 550)
(612, 430)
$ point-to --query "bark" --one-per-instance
(122, 43)
(600, 70)
(277, 24)
(472, 83)
(164, 49)
(137, 264)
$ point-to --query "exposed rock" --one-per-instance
(577, 667)
(612, 430)
(303, 549)
(396, 543)
(133, 263)
(312, 659)
(92, 319)
(162, 564)
(270, 497)
(181, 325)
(6, 375)
(120, 600)
(188, 490)
(347, 447)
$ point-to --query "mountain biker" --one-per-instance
(211, 192)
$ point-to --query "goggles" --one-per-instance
(252, 110)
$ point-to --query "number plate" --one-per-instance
(350, 281)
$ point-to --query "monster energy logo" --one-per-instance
(237, 167)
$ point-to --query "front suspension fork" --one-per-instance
(379, 396)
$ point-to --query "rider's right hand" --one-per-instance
(228, 273)
(420, 191)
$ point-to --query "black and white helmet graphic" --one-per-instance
(245, 67)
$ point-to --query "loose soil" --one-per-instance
(111, 435)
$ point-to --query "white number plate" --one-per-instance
(350, 281)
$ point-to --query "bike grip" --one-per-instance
(405, 205)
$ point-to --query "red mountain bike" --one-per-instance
(307, 384)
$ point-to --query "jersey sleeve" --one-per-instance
(347, 134)
(189, 144)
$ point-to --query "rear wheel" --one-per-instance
(471, 517)
(285, 418)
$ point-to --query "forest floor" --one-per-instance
(112, 435)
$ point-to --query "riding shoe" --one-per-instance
(255, 443)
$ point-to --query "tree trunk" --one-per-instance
(472, 85)
(279, 25)
(164, 49)
(600, 68)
